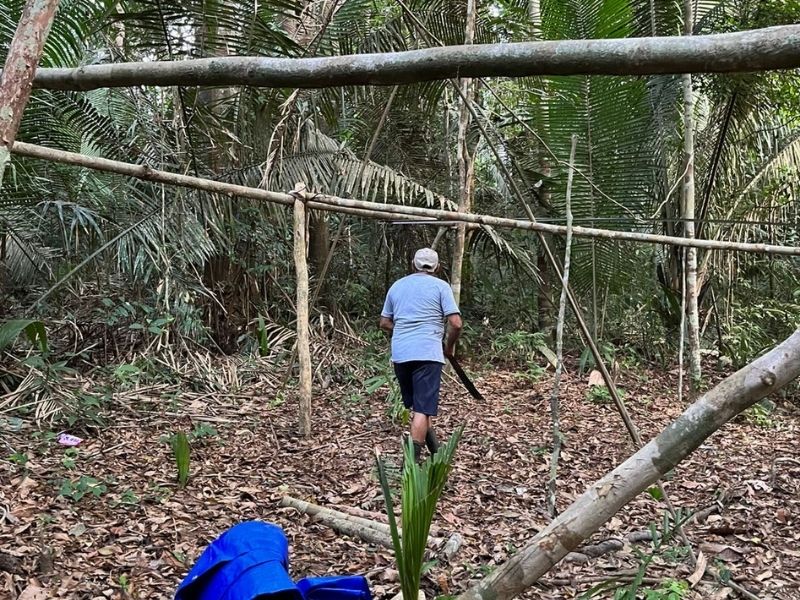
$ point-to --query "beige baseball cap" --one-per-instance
(426, 260)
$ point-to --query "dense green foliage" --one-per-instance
(177, 266)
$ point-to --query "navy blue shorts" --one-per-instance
(419, 384)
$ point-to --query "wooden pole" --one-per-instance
(688, 212)
(746, 51)
(346, 205)
(17, 76)
(562, 316)
(303, 343)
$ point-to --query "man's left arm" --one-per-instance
(387, 325)
(387, 315)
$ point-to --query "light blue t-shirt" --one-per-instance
(418, 305)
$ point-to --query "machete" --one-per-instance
(473, 391)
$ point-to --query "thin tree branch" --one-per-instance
(562, 309)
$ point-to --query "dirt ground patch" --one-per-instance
(133, 534)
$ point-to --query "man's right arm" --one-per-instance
(454, 327)
(454, 323)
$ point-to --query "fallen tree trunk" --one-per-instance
(328, 513)
(349, 523)
(606, 496)
(353, 529)
(756, 50)
(378, 517)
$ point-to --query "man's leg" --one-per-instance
(419, 429)
(404, 373)
(431, 441)
(427, 380)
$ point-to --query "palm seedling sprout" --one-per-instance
(421, 487)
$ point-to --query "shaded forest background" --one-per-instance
(119, 270)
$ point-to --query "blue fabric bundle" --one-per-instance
(250, 561)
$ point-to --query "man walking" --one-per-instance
(414, 316)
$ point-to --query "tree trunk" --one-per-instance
(303, 347)
(17, 77)
(535, 16)
(318, 248)
(693, 318)
(544, 301)
(747, 51)
(545, 308)
(466, 163)
(605, 497)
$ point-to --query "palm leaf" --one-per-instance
(421, 486)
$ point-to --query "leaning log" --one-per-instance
(755, 50)
(608, 495)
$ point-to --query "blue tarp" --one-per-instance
(250, 561)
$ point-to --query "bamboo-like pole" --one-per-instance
(346, 205)
(303, 343)
(20, 67)
(746, 51)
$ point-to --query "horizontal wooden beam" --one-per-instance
(754, 50)
(372, 209)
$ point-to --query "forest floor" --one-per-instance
(106, 520)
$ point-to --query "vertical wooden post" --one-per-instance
(466, 161)
(17, 77)
(688, 214)
(562, 317)
(303, 348)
